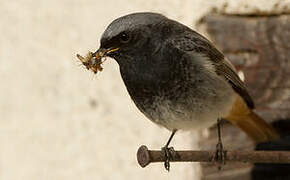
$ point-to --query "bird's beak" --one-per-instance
(102, 52)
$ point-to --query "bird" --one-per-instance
(177, 78)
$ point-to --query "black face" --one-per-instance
(117, 41)
(130, 43)
(130, 34)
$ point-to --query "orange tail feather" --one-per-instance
(252, 124)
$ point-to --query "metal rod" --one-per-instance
(145, 156)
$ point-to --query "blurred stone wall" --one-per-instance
(59, 121)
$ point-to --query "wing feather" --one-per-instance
(192, 41)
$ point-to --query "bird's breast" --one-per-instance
(183, 98)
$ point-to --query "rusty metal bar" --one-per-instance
(145, 156)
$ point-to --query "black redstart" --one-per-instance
(177, 78)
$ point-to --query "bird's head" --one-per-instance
(132, 37)
(138, 43)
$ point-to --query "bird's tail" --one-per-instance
(251, 123)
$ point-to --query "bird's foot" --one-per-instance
(219, 157)
(168, 155)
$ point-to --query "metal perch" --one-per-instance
(145, 156)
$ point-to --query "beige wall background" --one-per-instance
(59, 121)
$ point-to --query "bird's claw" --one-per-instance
(219, 155)
(168, 155)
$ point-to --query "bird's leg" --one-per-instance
(219, 155)
(167, 151)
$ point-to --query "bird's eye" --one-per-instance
(124, 37)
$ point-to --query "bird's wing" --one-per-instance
(196, 43)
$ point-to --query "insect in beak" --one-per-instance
(93, 61)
